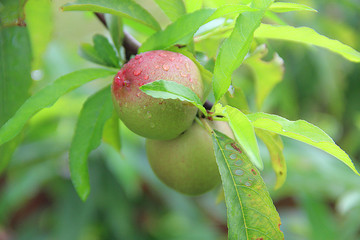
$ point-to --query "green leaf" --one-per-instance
(280, 7)
(88, 52)
(123, 8)
(179, 32)
(308, 36)
(40, 24)
(173, 9)
(115, 26)
(235, 48)
(105, 50)
(251, 213)
(275, 147)
(15, 80)
(244, 134)
(111, 133)
(97, 109)
(47, 97)
(302, 131)
(267, 74)
(192, 6)
(230, 9)
(172, 90)
(236, 98)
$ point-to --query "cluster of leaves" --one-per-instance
(238, 29)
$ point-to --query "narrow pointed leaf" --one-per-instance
(280, 7)
(47, 97)
(88, 52)
(302, 131)
(267, 74)
(179, 32)
(172, 90)
(115, 27)
(230, 9)
(111, 133)
(308, 36)
(124, 8)
(251, 213)
(275, 147)
(235, 48)
(96, 111)
(105, 50)
(173, 9)
(245, 134)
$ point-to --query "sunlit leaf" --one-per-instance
(179, 32)
(230, 9)
(96, 111)
(267, 73)
(47, 97)
(301, 131)
(251, 213)
(245, 134)
(172, 90)
(236, 98)
(123, 8)
(288, 7)
(173, 9)
(308, 36)
(192, 6)
(275, 147)
(234, 48)
(15, 80)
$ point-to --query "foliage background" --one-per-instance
(320, 199)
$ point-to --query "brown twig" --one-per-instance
(130, 44)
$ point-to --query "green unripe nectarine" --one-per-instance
(150, 117)
(187, 163)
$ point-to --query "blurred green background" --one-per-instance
(320, 199)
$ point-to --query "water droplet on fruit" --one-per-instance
(148, 114)
(177, 67)
(233, 156)
(165, 67)
(146, 77)
(183, 74)
(137, 72)
(157, 66)
(187, 66)
(163, 54)
(239, 172)
(140, 60)
(138, 94)
(172, 59)
(137, 57)
(152, 125)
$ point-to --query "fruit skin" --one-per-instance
(187, 164)
(150, 117)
